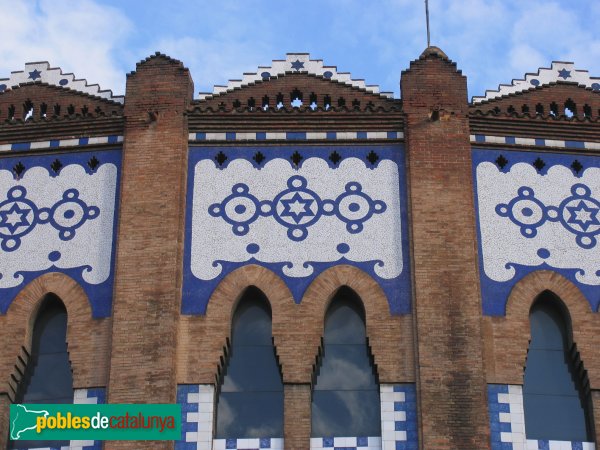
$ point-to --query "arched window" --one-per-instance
(48, 377)
(250, 403)
(555, 400)
(345, 400)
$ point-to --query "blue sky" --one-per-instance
(493, 41)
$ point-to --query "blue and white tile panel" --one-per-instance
(295, 62)
(399, 417)
(259, 208)
(294, 136)
(346, 443)
(60, 143)
(248, 444)
(197, 412)
(537, 142)
(42, 72)
(558, 71)
(507, 420)
(507, 423)
(95, 396)
(536, 217)
(60, 220)
(559, 445)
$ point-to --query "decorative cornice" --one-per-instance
(533, 142)
(58, 143)
(559, 71)
(295, 136)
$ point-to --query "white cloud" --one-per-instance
(82, 37)
(554, 32)
(492, 41)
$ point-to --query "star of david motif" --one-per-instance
(297, 65)
(583, 215)
(564, 74)
(578, 214)
(14, 218)
(19, 216)
(34, 75)
(297, 207)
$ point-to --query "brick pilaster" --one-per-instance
(297, 425)
(451, 382)
(150, 241)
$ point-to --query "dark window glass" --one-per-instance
(556, 407)
(48, 377)
(250, 403)
(345, 399)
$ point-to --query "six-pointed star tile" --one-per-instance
(564, 74)
(297, 65)
(35, 74)
(583, 215)
(297, 207)
(14, 218)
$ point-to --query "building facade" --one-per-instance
(304, 262)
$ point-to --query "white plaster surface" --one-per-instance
(213, 238)
(501, 240)
(92, 244)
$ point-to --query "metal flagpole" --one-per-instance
(427, 20)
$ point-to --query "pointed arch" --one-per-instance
(88, 339)
(510, 334)
(213, 329)
(345, 397)
(556, 395)
(390, 337)
(250, 391)
(47, 377)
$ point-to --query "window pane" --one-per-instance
(346, 367)
(557, 418)
(549, 370)
(553, 399)
(250, 415)
(250, 402)
(252, 369)
(344, 323)
(48, 377)
(345, 413)
(346, 393)
(251, 323)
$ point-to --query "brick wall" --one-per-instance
(149, 246)
(450, 376)
(146, 349)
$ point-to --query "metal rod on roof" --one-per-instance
(427, 20)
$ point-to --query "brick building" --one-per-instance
(452, 236)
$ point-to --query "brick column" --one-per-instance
(451, 382)
(296, 426)
(4, 419)
(150, 240)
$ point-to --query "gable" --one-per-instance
(296, 90)
(555, 100)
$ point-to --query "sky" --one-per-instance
(492, 41)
